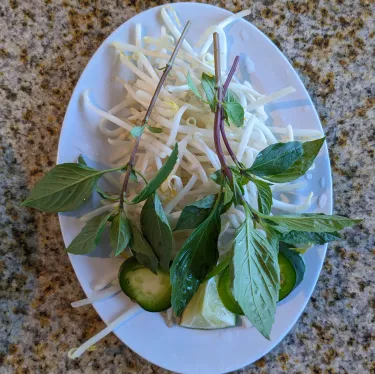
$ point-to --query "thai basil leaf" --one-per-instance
(217, 177)
(223, 263)
(193, 87)
(231, 97)
(104, 195)
(159, 178)
(233, 191)
(256, 276)
(133, 176)
(228, 196)
(242, 178)
(137, 131)
(81, 160)
(264, 196)
(300, 167)
(156, 230)
(120, 233)
(208, 84)
(300, 237)
(237, 190)
(276, 158)
(194, 214)
(142, 250)
(235, 113)
(88, 239)
(194, 261)
(155, 130)
(296, 259)
(311, 222)
(64, 188)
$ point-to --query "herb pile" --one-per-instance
(253, 259)
(67, 186)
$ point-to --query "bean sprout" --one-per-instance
(98, 296)
(125, 317)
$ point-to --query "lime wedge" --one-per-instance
(206, 310)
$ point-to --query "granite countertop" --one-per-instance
(44, 47)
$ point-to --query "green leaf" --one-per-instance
(300, 237)
(223, 263)
(63, 188)
(242, 177)
(233, 191)
(133, 176)
(272, 235)
(155, 130)
(195, 259)
(256, 276)
(276, 158)
(106, 196)
(300, 167)
(231, 97)
(194, 214)
(156, 229)
(142, 250)
(264, 195)
(193, 87)
(88, 239)
(217, 177)
(137, 131)
(235, 113)
(120, 233)
(237, 190)
(208, 84)
(81, 160)
(296, 259)
(159, 178)
(312, 222)
(228, 195)
(228, 199)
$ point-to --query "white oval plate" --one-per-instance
(179, 349)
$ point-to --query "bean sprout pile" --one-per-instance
(186, 120)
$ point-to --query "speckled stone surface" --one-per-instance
(44, 47)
